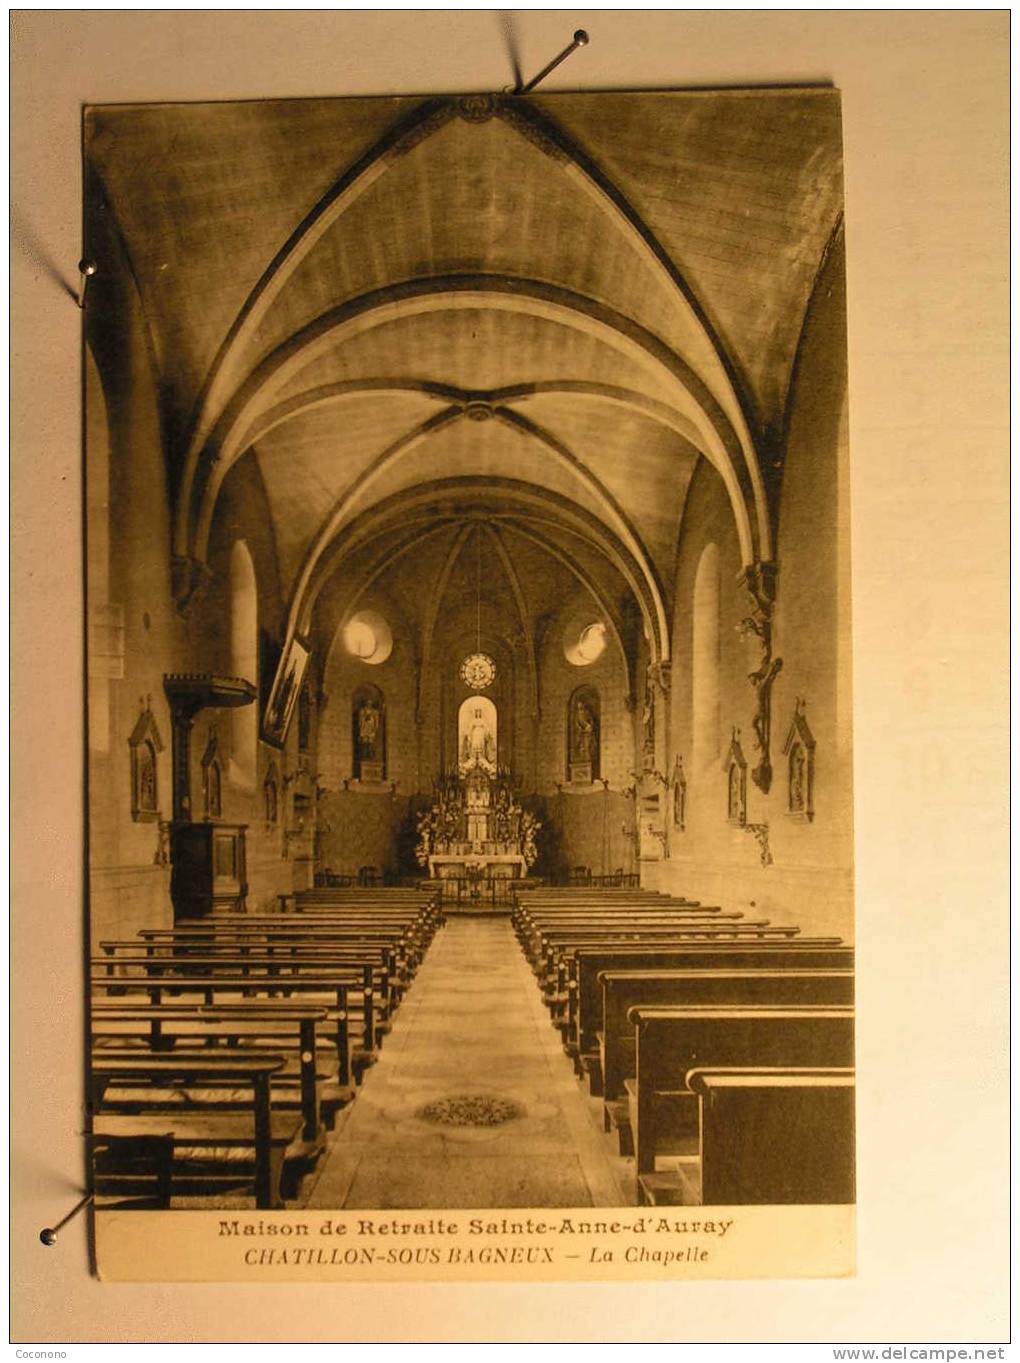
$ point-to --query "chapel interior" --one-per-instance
(467, 518)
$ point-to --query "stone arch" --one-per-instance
(735, 461)
(564, 154)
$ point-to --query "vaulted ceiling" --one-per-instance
(543, 311)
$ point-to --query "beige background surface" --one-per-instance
(926, 119)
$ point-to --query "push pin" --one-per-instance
(580, 39)
(86, 269)
(48, 1235)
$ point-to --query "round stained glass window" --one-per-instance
(584, 641)
(478, 671)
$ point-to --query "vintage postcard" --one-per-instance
(469, 718)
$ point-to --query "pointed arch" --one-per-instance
(716, 437)
(482, 496)
(538, 128)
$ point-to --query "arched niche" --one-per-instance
(212, 778)
(584, 732)
(368, 734)
(244, 646)
(477, 733)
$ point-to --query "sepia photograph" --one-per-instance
(509, 552)
(470, 777)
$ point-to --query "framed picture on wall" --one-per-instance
(286, 687)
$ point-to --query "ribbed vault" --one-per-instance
(433, 321)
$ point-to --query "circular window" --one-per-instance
(585, 645)
(478, 671)
(367, 636)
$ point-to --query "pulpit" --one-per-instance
(208, 861)
(209, 868)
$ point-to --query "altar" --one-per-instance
(473, 865)
(475, 829)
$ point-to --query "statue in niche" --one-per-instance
(584, 732)
(798, 779)
(583, 736)
(369, 725)
(145, 744)
(147, 778)
(212, 780)
(734, 798)
(213, 791)
(368, 729)
(478, 743)
(800, 754)
(736, 782)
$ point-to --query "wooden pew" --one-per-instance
(539, 930)
(584, 992)
(555, 943)
(771, 1136)
(258, 1127)
(671, 1042)
(138, 1168)
(217, 989)
(626, 989)
(287, 1029)
(402, 951)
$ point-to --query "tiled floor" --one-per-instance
(473, 1024)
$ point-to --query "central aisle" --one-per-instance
(472, 1025)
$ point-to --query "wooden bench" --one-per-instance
(405, 949)
(212, 989)
(259, 1128)
(615, 1060)
(136, 1168)
(672, 1042)
(284, 1028)
(557, 947)
(584, 965)
(538, 929)
(769, 1136)
(408, 938)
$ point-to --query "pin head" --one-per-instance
(581, 38)
(87, 268)
(48, 1236)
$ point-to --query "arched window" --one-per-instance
(244, 641)
(368, 734)
(705, 658)
(583, 736)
